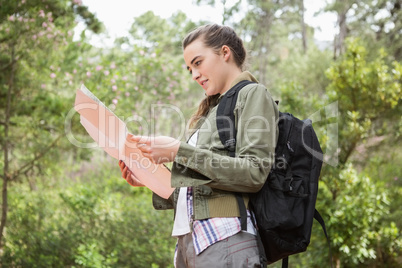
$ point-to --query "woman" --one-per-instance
(207, 222)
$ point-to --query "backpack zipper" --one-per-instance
(290, 148)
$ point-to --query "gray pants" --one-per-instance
(237, 251)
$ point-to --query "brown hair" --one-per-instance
(215, 36)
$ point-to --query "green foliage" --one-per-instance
(362, 85)
(97, 221)
(32, 89)
(366, 92)
(356, 217)
(80, 225)
(305, 70)
(142, 79)
(360, 237)
(356, 204)
(384, 165)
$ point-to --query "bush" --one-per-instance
(98, 221)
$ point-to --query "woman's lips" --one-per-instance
(204, 84)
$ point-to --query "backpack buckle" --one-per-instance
(288, 182)
(230, 144)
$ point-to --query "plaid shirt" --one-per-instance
(209, 231)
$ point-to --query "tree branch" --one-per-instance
(9, 123)
(8, 65)
(31, 163)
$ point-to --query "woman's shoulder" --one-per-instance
(254, 90)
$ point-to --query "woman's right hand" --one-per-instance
(129, 176)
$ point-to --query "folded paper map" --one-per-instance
(110, 133)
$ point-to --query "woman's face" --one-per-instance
(207, 67)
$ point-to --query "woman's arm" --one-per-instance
(256, 125)
(255, 148)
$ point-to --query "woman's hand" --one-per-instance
(129, 176)
(159, 150)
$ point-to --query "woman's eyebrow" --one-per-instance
(188, 68)
(194, 59)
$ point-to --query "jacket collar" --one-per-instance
(246, 75)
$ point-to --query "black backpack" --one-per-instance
(285, 207)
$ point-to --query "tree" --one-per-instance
(367, 92)
(341, 8)
(368, 96)
(128, 78)
(378, 22)
(375, 21)
(229, 9)
(303, 26)
(33, 36)
(389, 27)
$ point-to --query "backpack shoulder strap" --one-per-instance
(318, 218)
(225, 120)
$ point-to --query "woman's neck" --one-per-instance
(233, 74)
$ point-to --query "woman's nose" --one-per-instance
(195, 74)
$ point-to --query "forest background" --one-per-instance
(67, 206)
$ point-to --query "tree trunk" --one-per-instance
(339, 46)
(303, 26)
(6, 172)
(342, 31)
(338, 263)
(264, 45)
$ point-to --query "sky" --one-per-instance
(118, 15)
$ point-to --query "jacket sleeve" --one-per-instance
(256, 123)
(160, 203)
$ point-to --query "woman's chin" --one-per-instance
(210, 92)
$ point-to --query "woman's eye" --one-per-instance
(197, 63)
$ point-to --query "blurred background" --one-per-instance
(67, 206)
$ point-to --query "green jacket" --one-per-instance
(213, 174)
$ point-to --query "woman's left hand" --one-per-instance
(159, 149)
(128, 176)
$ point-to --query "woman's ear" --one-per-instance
(226, 52)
